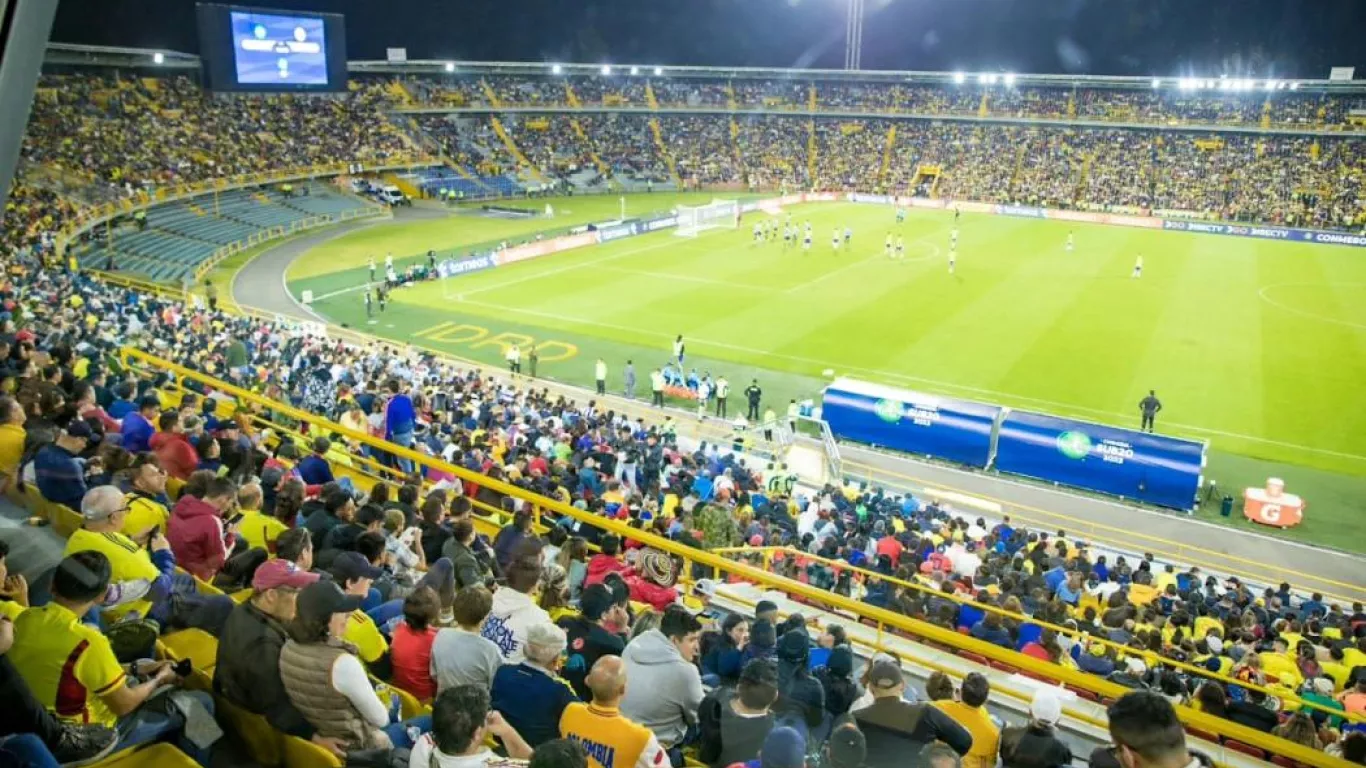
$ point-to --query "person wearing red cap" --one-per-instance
(247, 671)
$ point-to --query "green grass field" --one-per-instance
(1258, 347)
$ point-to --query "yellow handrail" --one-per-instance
(931, 632)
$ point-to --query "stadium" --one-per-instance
(473, 411)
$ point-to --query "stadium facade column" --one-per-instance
(24, 29)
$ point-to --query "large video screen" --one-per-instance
(279, 49)
(263, 49)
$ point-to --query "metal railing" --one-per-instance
(541, 506)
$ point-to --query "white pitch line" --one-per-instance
(943, 385)
(1264, 290)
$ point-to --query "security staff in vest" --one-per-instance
(753, 394)
(600, 375)
(1149, 406)
(722, 392)
(656, 388)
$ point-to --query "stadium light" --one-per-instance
(450, 66)
(983, 79)
(606, 70)
(635, 71)
(659, 71)
(1157, 83)
(1270, 85)
(158, 58)
(1294, 86)
(556, 69)
(1009, 78)
(959, 78)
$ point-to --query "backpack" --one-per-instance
(709, 725)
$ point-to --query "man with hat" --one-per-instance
(1037, 742)
(326, 681)
(589, 638)
(894, 728)
(59, 470)
(354, 574)
(247, 670)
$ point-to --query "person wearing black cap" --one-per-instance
(60, 475)
(354, 574)
(589, 637)
(801, 697)
(326, 681)
(895, 728)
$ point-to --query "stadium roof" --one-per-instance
(68, 54)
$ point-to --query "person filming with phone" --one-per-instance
(203, 534)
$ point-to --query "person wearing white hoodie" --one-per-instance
(665, 688)
(514, 610)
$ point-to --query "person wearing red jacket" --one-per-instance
(202, 542)
(178, 457)
(652, 584)
(605, 562)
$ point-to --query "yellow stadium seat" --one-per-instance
(205, 588)
(241, 596)
(264, 744)
(200, 647)
(149, 756)
(300, 753)
(65, 520)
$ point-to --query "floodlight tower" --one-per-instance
(853, 35)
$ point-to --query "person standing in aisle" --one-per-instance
(753, 394)
(532, 358)
(514, 358)
(600, 375)
(722, 391)
(793, 411)
(629, 378)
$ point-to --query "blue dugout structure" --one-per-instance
(1153, 469)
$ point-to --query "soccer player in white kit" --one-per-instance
(953, 239)
(887, 247)
(848, 234)
(953, 256)
(900, 247)
(758, 231)
(835, 238)
(1069, 242)
(806, 243)
(1138, 267)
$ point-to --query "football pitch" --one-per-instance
(1257, 346)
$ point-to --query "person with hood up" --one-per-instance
(653, 582)
(837, 678)
(763, 643)
(666, 688)
(801, 697)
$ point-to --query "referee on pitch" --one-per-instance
(1149, 406)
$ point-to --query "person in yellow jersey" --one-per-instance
(258, 528)
(144, 578)
(610, 739)
(146, 499)
(969, 710)
(354, 574)
(13, 589)
(71, 669)
(12, 436)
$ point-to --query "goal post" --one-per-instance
(695, 219)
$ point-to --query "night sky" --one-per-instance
(1255, 38)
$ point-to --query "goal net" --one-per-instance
(694, 219)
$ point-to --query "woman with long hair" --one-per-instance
(724, 658)
(288, 500)
(573, 558)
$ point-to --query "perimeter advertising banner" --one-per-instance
(1164, 471)
(914, 422)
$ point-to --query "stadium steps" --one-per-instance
(512, 146)
(186, 235)
(650, 99)
(571, 98)
(811, 149)
(467, 176)
(661, 146)
(887, 155)
(492, 97)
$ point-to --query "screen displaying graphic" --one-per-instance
(270, 49)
